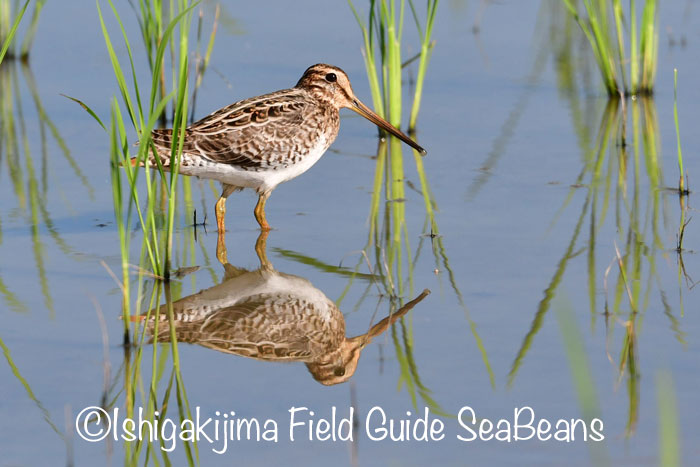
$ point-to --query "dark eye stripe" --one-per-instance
(345, 93)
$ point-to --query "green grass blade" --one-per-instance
(118, 72)
(634, 49)
(87, 109)
(678, 133)
(13, 30)
(31, 32)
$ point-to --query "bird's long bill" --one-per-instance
(365, 111)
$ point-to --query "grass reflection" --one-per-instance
(388, 246)
(27, 172)
(9, 150)
(267, 315)
(581, 374)
(153, 382)
(669, 432)
(28, 389)
(623, 181)
(500, 143)
(10, 16)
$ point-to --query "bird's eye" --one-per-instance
(339, 371)
(331, 78)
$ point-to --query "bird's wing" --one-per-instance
(254, 328)
(260, 132)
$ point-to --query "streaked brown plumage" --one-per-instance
(268, 315)
(261, 142)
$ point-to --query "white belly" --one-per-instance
(261, 181)
(271, 285)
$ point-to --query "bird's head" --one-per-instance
(330, 84)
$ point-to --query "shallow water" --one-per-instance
(528, 244)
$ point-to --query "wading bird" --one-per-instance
(268, 315)
(263, 141)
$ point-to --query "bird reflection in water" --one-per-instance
(268, 315)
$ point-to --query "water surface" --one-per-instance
(529, 223)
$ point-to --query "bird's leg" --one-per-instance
(220, 217)
(260, 211)
(261, 250)
(221, 206)
(220, 213)
(221, 248)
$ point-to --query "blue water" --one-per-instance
(503, 152)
